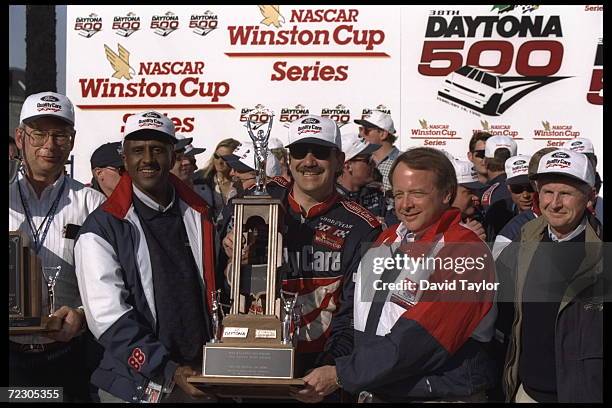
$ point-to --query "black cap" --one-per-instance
(107, 155)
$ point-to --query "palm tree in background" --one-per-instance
(41, 70)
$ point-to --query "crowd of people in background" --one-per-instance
(154, 240)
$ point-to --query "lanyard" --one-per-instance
(38, 239)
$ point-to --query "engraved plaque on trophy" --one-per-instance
(255, 352)
(26, 314)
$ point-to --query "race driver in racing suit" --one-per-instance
(324, 237)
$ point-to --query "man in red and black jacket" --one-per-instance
(324, 236)
(414, 342)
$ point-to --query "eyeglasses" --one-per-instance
(479, 153)
(519, 188)
(319, 152)
(39, 137)
(217, 157)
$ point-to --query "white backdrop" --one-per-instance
(204, 66)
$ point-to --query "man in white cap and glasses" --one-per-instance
(49, 207)
(357, 173)
(496, 201)
(324, 237)
(556, 347)
(144, 261)
(378, 129)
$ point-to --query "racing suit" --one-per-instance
(322, 251)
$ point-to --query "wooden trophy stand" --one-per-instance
(25, 295)
(250, 360)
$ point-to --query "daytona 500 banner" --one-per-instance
(534, 73)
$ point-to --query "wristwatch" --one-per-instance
(338, 382)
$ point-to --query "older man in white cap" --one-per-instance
(49, 207)
(556, 348)
(378, 129)
(357, 173)
(144, 259)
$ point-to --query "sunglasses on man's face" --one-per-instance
(319, 152)
(519, 188)
(479, 153)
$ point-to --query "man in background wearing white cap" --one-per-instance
(279, 151)
(556, 348)
(242, 163)
(517, 181)
(467, 199)
(49, 207)
(496, 200)
(357, 173)
(585, 146)
(378, 129)
(325, 233)
(144, 261)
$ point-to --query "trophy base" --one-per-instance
(34, 325)
(268, 388)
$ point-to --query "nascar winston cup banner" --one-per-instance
(534, 73)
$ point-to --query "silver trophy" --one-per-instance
(216, 305)
(260, 142)
(51, 273)
(288, 307)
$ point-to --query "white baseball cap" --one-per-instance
(567, 163)
(353, 145)
(192, 151)
(243, 159)
(181, 141)
(47, 104)
(466, 175)
(378, 119)
(497, 142)
(517, 169)
(316, 130)
(149, 125)
(580, 145)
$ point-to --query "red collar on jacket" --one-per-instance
(535, 206)
(315, 210)
(120, 200)
(449, 217)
